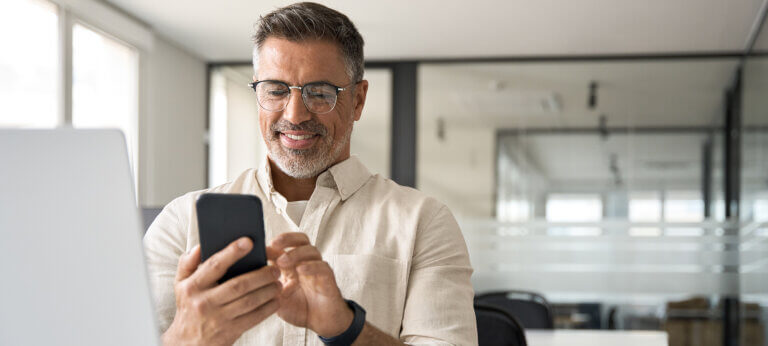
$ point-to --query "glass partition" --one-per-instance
(599, 184)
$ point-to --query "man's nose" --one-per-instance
(295, 112)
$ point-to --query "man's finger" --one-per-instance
(244, 284)
(314, 268)
(251, 301)
(216, 266)
(286, 240)
(289, 286)
(298, 255)
(319, 275)
(188, 263)
(273, 253)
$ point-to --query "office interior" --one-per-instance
(607, 160)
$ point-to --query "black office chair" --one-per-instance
(496, 327)
(531, 309)
(148, 215)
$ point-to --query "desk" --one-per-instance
(570, 337)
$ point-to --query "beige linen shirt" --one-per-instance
(396, 252)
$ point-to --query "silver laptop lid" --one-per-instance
(71, 260)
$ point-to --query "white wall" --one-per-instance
(172, 125)
(371, 136)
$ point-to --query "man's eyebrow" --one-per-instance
(322, 81)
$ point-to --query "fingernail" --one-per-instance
(243, 243)
(276, 272)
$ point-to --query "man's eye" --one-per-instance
(319, 94)
(277, 93)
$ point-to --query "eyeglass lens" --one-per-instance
(318, 97)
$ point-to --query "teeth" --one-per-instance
(298, 138)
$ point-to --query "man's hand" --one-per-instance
(310, 296)
(211, 314)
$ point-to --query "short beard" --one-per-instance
(305, 163)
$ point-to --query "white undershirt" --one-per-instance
(295, 210)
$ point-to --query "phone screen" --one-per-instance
(224, 218)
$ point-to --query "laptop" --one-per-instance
(72, 268)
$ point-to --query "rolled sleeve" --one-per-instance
(164, 243)
(438, 307)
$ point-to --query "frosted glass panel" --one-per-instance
(29, 64)
(105, 85)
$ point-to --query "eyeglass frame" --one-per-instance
(339, 89)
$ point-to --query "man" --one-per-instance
(353, 257)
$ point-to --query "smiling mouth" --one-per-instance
(298, 140)
(298, 137)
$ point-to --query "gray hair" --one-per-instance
(309, 20)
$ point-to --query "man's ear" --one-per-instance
(361, 91)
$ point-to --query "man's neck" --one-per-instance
(294, 189)
(291, 188)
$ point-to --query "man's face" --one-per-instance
(303, 144)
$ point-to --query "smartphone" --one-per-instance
(224, 218)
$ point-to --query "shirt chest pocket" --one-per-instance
(377, 283)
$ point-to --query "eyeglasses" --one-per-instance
(318, 97)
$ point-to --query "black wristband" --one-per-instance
(350, 335)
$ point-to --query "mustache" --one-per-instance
(310, 125)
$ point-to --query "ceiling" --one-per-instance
(660, 157)
(684, 93)
(689, 94)
(647, 159)
(399, 29)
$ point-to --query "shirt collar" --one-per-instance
(346, 177)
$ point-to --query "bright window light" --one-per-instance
(683, 206)
(217, 168)
(760, 209)
(514, 210)
(105, 86)
(574, 208)
(645, 207)
(29, 64)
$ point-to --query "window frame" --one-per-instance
(117, 26)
